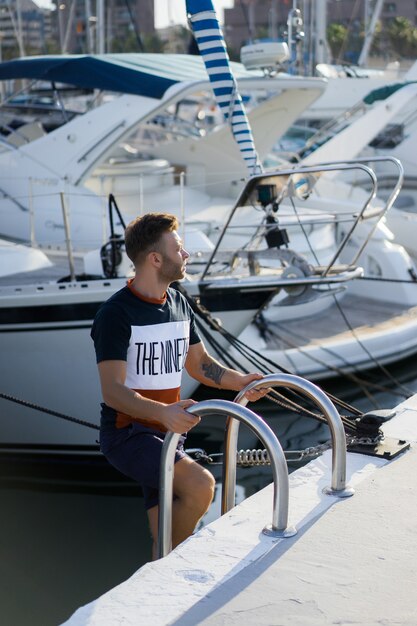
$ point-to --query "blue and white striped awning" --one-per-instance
(209, 37)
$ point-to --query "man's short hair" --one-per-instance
(142, 235)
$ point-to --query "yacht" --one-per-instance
(45, 326)
(315, 244)
(176, 153)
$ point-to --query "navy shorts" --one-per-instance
(136, 452)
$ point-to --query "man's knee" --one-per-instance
(194, 485)
(204, 489)
(201, 495)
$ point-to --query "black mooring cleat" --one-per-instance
(368, 425)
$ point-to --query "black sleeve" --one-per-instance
(111, 334)
(194, 335)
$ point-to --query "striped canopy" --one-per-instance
(204, 23)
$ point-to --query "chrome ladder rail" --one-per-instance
(338, 484)
(279, 526)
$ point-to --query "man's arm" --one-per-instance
(204, 368)
(118, 396)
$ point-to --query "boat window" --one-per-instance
(28, 113)
(195, 116)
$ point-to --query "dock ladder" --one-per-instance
(236, 412)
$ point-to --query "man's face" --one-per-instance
(174, 257)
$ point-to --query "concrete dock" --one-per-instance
(353, 561)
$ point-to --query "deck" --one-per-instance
(353, 561)
(364, 315)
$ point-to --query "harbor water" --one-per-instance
(71, 528)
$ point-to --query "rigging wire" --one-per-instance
(244, 350)
(246, 18)
(257, 359)
(382, 367)
(345, 319)
(353, 15)
(134, 26)
(349, 375)
(273, 395)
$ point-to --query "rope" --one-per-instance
(286, 403)
(296, 408)
(368, 353)
(37, 407)
(255, 358)
(362, 383)
(249, 353)
(260, 360)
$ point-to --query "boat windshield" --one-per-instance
(191, 117)
(34, 110)
(40, 108)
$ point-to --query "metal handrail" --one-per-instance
(338, 485)
(287, 173)
(391, 198)
(279, 527)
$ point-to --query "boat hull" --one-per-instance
(48, 356)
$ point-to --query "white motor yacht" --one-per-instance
(180, 159)
(45, 326)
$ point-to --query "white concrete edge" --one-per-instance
(162, 591)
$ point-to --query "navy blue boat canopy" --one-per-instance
(143, 74)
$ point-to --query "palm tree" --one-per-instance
(402, 36)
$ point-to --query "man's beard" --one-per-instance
(170, 271)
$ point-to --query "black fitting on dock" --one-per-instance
(368, 424)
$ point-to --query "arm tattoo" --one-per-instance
(213, 371)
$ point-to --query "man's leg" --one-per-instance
(153, 525)
(194, 490)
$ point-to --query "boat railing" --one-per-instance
(279, 526)
(330, 129)
(297, 182)
(288, 181)
(378, 214)
(306, 388)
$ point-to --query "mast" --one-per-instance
(273, 20)
(369, 35)
(68, 30)
(295, 39)
(251, 19)
(321, 55)
(89, 27)
(101, 20)
(17, 26)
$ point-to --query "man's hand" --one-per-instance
(176, 419)
(253, 394)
